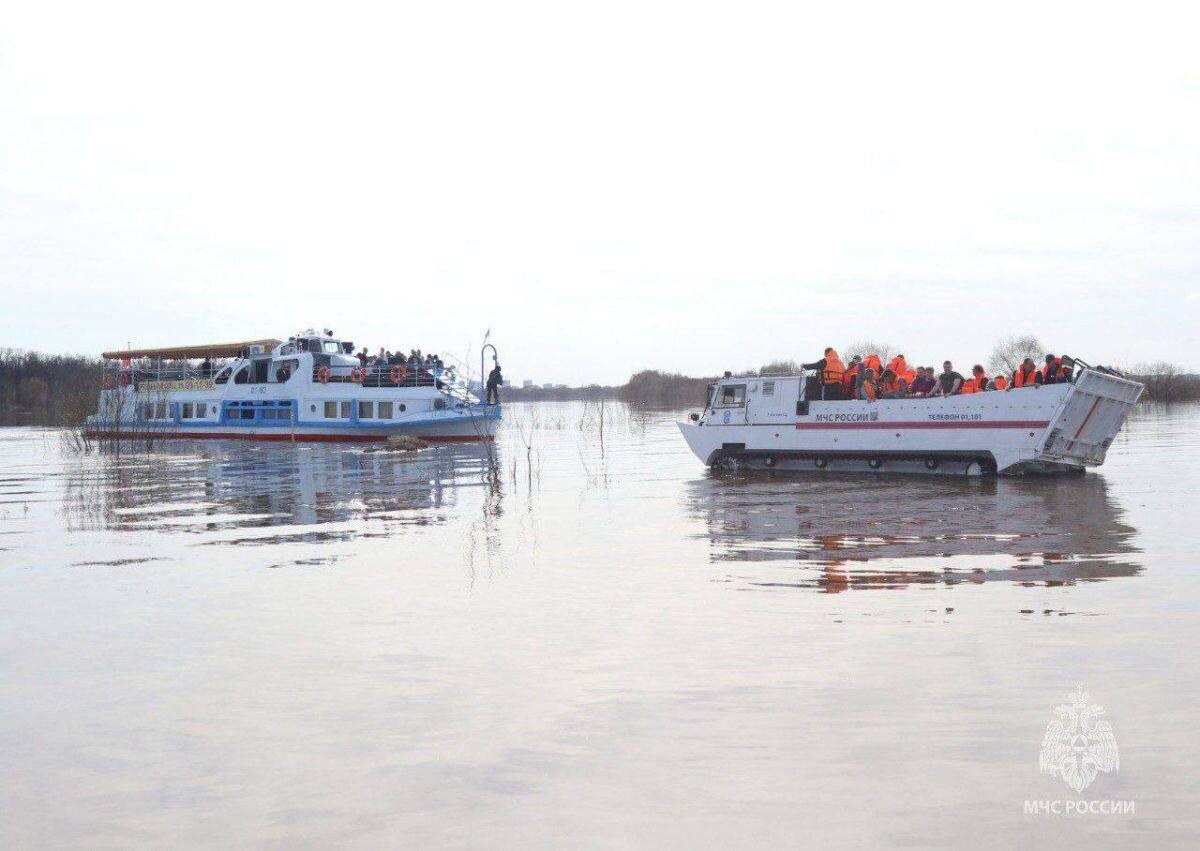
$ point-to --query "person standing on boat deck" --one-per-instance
(494, 380)
(1026, 374)
(892, 386)
(977, 383)
(853, 376)
(830, 373)
(1053, 372)
(949, 383)
(867, 388)
(923, 383)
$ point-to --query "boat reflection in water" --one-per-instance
(854, 533)
(229, 493)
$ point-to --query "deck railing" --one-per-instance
(383, 375)
(449, 379)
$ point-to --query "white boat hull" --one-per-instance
(450, 430)
(1057, 428)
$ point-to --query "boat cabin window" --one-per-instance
(262, 369)
(333, 347)
(188, 411)
(223, 375)
(285, 369)
(385, 410)
(242, 375)
(155, 411)
(731, 396)
(366, 410)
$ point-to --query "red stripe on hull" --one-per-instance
(986, 424)
(285, 438)
(1091, 411)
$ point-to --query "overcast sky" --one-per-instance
(607, 187)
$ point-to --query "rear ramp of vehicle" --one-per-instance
(1088, 420)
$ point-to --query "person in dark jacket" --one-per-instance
(494, 380)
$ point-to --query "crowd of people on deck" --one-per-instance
(388, 368)
(413, 360)
(867, 378)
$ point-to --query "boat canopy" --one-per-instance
(208, 350)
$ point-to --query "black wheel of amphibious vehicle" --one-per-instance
(736, 457)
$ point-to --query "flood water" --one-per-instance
(234, 644)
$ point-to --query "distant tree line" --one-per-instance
(47, 390)
(652, 388)
(1166, 382)
(588, 392)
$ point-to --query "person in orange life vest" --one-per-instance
(853, 376)
(898, 365)
(867, 388)
(1026, 374)
(977, 383)
(999, 383)
(1053, 372)
(873, 362)
(892, 386)
(949, 383)
(831, 373)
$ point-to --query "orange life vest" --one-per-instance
(834, 370)
(1050, 374)
(873, 362)
(974, 385)
(893, 386)
(898, 365)
(908, 375)
(1001, 382)
(851, 376)
(1024, 379)
(870, 390)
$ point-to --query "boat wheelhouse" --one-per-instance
(780, 422)
(310, 387)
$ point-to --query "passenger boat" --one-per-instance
(781, 423)
(308, 388)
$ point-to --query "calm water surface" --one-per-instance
(226, 644)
